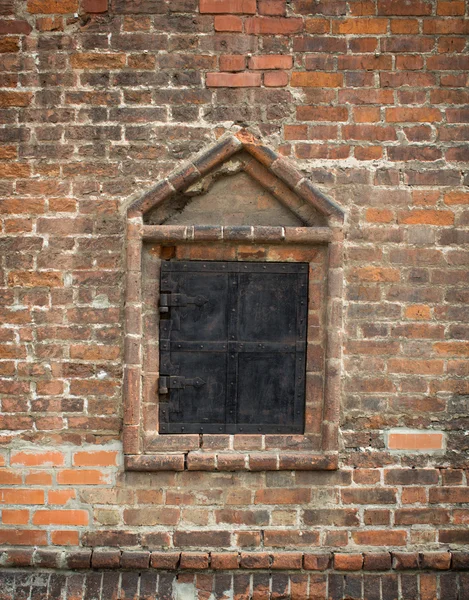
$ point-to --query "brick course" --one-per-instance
(101, 100)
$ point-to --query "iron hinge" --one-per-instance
(177, 382)
(170, 299)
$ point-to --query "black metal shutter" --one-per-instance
(232, 347)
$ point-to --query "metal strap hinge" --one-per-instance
(177, 382)
(170, 299)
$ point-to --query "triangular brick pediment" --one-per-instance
(233, 154)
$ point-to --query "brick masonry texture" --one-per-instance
(101, 100)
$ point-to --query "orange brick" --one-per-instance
(15, 517)
(455, 198)
(37, 459)
(103, 458)
(90, 60)
(316, 79)
(60, 496)
(452, 348)
(8, 153)
(10, 477)
(15, 99)
(426, 217)
(65, 538)
(379, 215)
(38, 478)
(21, 496)
(60, 517)
(80, 477)
(228, 23)
(35, 279)
(14, 170)
(418, 312)
(421, 440)
(52, 6)
(377, 274)
(367, 26)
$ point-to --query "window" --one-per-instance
(232, 347)
(239, 253)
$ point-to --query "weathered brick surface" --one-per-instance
(101, 100)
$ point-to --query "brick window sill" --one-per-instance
(233, 461)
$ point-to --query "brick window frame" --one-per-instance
(147, 245)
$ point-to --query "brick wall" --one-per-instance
(368, 98)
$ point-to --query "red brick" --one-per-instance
(273, 25)
(287, 560)
(233, 62)
(366, 26)
(228, 6)
(276, 79)
(322, 80)
(375, 538)
(224, 560)
(95, 6)
(228, 23)
(165, 560)
(435, 560)
(319, 113)
(254, 560)
(194, 560)
(348, 562)
(270, 61)
(23, 537)
(233, 79)
(450, 8)
(397, 8)
(420, 115)
(316, 562)
(282, 496)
